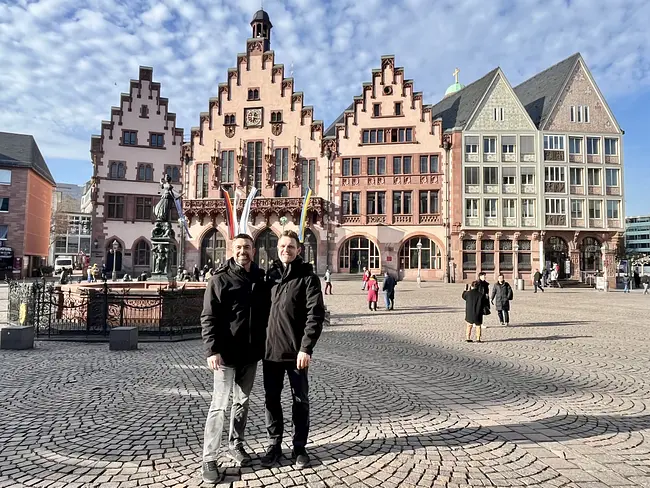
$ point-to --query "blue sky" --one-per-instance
(65, 62)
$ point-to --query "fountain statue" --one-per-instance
(162, 235)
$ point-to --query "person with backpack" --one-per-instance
(500, 298)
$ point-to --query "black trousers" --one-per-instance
(504, 316)
(273, 383)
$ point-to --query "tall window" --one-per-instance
(592, 145)
(490, 208)
(472, 176)
(490, 175)
(351, 203)
(593, 176)
(143, 208)
(471, 144)
(117, 170)
(613, 209)
(281, 164)
(575, 145)
(527, 145)
(471, 207)
(356, 166)
(469, 255)
(429, 164)
(5, 177)
(575, 176)
(254, 165)
(611, 177)
(254, 94)
(554, 174)
(142, 254)
(4, 204)
(115, 207)
(580, 113)
(490, 145)
(377, 166)
(145, 172)
(611, 147)
(595, 209)
(508, 144)
(202, 176)
(527, 176)
(428, 257)
(402, 202)
(487, 255)
(398, 108)
(509, 175)
(402, 165)
(510, 208)
(554, 142)
(174, 172)
(345, 167)
(577, 209)
(351, 166)
(308, 175)
(157, 140)
(555, 206)
(528, 208)
(227, 166)
(429, 202)
(376, 202)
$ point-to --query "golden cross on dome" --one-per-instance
(456, 71)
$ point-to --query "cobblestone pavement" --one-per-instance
(557, 399)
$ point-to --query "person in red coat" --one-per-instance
(373, 292)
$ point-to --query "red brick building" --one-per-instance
(26, 187)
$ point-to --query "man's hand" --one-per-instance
(303, 360)
(215, 362)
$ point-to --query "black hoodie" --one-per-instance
(235, 310)
(297, 310)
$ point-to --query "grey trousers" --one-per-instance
(239, 380)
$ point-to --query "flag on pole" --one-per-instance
(229, 214)
(243, 223)
(181, 216)
(303, 215)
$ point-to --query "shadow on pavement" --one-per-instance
(547, 338)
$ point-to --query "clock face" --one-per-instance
(253, 117)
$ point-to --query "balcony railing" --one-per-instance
(376, 219)
(351, 219)
(434, 219)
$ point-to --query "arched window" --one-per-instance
(281, 190)
(142, 255)
(213, 249)
(357, 253)
(310, 251)
(117, 170)
(431, 256)
(591, 255)
(145, 172)
(266, 248)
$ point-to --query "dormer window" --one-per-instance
(376, 110)
(398, 108)
(229, 119)
(144, 112)
(253, 94)
(276, 117)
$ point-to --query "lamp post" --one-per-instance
(330, 164)
(419, 246)
(446, 145)
(604, 250)
(115, 246)
(516, 271)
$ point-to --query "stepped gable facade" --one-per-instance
(135, 148)
(257, 133)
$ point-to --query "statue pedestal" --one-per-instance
(162, 240)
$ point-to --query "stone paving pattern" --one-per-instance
(558, 399)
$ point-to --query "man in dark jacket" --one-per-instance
(234, 317)
(389, 290)
(500, 298)
(295, 324)
(537, 281)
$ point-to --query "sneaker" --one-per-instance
(272, 456)
(210, 473)
(301, 458)
(469, 340)
(239, 455)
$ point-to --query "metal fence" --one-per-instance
(91, 313)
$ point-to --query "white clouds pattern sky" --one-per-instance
(65, 62)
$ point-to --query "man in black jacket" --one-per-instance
(295, 324)
(234, 317)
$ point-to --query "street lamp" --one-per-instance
(283, 222)
(419, 246)
(116, 246)
(516, 273)
(330, 158)
(604, 250)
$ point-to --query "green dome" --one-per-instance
(456, 87)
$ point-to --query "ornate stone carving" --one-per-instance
(241, 172)
(255, 46)
(387, 63)
(216, 171)
(269, 169)
(276, 128)
(230, 131)
(397, 180)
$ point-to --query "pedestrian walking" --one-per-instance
(500, 297)
(537, 281)
(637, 280)
(645, 281)
(626, 283)
(475, 304)
(328, 281)
(235, 311)
(366, 277)
(484, 287)
(195, 273)
(545, 277)
(388, 287)
(373, 293)
(295, 324)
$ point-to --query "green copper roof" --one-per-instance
(456, 87)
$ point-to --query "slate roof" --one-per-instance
(539, 93)
(21, 151)
(331, 130)
(455, 110)
(261, 15)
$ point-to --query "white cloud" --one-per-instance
(64, 66)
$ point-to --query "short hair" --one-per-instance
(292, 235)
(474, 284)
(243, 236)
(482, 273)
(500, 274)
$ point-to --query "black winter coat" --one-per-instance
(484, 287)
(235, 312)
(389, 286)
(297, 310)
(475, 303)
(501, 295)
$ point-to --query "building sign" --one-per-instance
(6, 252)
(389, 258)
